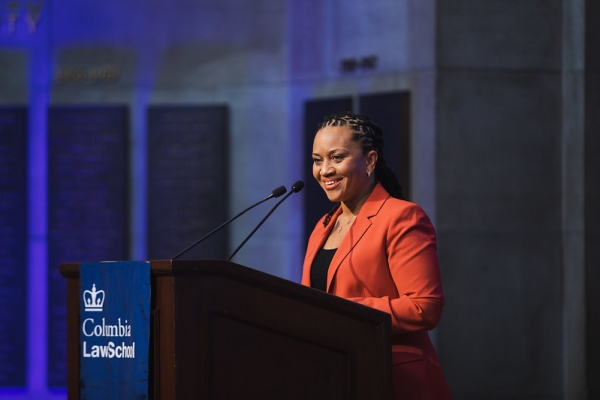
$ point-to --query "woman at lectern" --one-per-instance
(377, 249)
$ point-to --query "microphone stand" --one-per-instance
(275, 193)
(296, 187)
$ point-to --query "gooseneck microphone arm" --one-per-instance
(296, 187)
(275, 193)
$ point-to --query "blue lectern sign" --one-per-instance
(115, 329)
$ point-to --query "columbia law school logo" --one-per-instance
(93, 300)
(96, 332)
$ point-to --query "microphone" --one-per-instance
(275, 193)
(296, 187)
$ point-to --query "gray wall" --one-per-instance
(516, 218)
(591, 195)
(499, 196)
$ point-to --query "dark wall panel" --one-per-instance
(13, 246)
(391, 112)
(87, 205)
(188, 178)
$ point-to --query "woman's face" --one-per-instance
(340, 166)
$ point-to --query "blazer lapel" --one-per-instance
(357, 230)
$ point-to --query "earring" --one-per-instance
(369, 173)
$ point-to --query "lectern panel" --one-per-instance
(255, 316)
(220, 330)
(238, 345)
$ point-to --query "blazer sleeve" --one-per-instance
(411, 255)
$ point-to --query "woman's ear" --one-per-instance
(371, 159)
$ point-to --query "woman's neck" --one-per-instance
(353, 207)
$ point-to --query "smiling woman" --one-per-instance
(376, 249)
(341, 167)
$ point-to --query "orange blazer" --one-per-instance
(388, 261)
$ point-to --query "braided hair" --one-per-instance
(370, 137)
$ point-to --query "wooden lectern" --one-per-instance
(223, 331)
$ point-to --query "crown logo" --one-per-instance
(93, 300)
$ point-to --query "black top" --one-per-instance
(320, 266)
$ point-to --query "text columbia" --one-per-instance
(110, 350)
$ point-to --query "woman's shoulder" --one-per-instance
(403, 207)
(381, 201)
(399, 212)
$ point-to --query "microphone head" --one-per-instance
(298, 186)
(278, 191)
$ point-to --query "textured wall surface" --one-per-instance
(512, 97)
